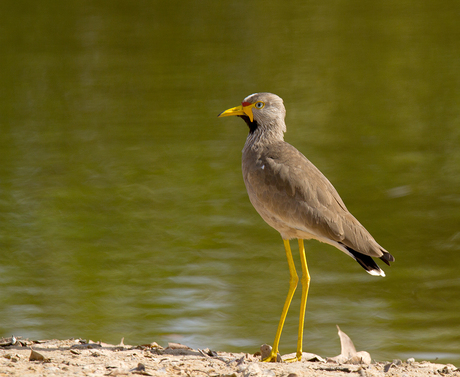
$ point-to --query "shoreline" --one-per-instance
(78, 357)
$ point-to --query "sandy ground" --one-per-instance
(76, 357)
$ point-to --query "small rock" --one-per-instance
(9, 356)
(265, 350)
(387, 367)
(208, 352)
(140, 368)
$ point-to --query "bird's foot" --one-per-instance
(298, 357)
(273, 358)
(269, 355)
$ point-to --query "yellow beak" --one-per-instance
(239, 110)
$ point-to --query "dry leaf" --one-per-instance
(348, 354)
(35, 356)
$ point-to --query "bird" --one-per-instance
(297, 200)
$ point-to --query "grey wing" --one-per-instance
(302, 198)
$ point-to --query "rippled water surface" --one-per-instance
(122, 207)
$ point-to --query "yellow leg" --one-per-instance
(303, 304)
(293, 280)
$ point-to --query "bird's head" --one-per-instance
(261, 111)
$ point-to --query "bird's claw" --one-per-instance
(294, 359)
(274, 357)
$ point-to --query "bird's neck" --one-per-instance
(265, 135)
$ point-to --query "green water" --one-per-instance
(122, 208)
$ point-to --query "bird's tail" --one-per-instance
(368, 262)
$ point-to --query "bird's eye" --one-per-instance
(259, 105)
